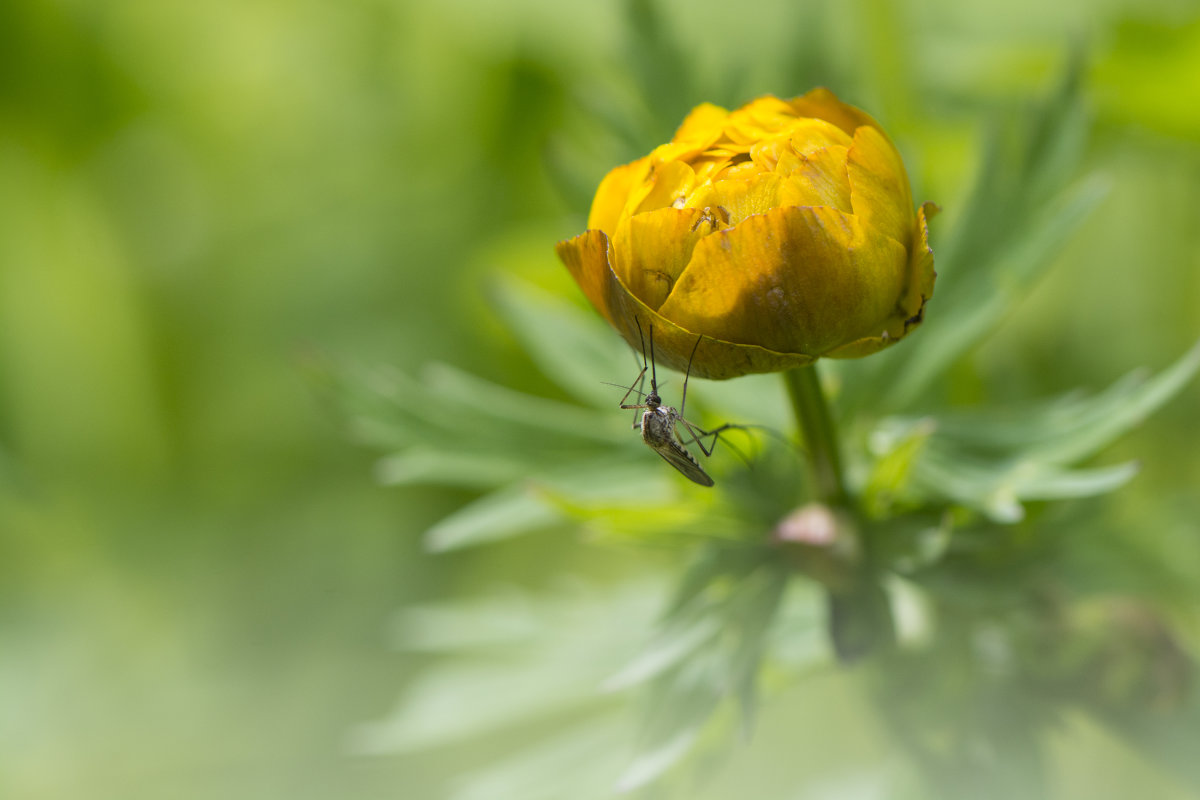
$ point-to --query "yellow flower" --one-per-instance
(782, 232)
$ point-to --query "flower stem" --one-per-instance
(820, 433)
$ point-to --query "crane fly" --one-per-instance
(660, 423)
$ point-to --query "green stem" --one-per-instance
(820, 433)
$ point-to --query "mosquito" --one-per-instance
(659, 422)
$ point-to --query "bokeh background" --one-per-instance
(200, 203)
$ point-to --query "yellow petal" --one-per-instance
(793, 280)
(649, 251)
(879, 189)
(808, 135)
(921, 273)
(911, 308)
(824, 104)
(613, 194)
(668, 183)
(735, 199)
(702, 126)
(586, 257)
(766, 153)
(757, 119)
(818, 179)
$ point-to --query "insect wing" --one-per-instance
(678, 457)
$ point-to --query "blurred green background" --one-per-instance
(200, 200)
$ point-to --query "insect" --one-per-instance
(659, 422)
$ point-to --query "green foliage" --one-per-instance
(940, 511)
(196, 198)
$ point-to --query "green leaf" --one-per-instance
(1073, 427)
(998, 488)
(993, 461)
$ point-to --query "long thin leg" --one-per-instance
(639, 382)
(699, 435)
(686, 375)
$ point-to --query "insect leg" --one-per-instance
(638, 382)
(686, 375)
(699, 434)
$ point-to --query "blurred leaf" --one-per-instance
(550, 655)
(998, 488)
(963, 316)
(430, 466)
(1015, 222)
(994, 460)
(1073, 427)
(678, 707)
(498, 619)
(897, 454)
(579, 761)
(511, 511)
(660, 67)
(708, 651)
(667, 649)
(575, 349)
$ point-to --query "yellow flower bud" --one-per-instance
(782, 232)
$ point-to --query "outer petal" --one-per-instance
(651, 250)
(879, 189)
(911, 308)
(757, 119)
(613, 193)
(818, 179)
(701, 127)
(824, 104)
(921, 274)
(586, 257)
(808, 135)
(795, 280)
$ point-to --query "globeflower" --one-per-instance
(781, 233)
